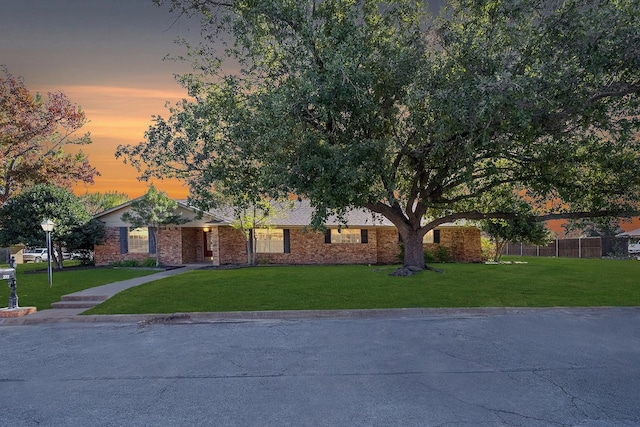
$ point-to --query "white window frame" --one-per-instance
(138, 240)
(346, 235)
(428, 238)
(269, 240)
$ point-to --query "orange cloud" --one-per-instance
(120, 115)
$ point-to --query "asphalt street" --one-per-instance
(556, 367)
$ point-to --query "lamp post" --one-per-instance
(47, 226)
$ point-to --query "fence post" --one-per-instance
(557, 248)
(579, 247)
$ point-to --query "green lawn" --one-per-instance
(33, 287)
(541, 282)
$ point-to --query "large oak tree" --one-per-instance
(424, 120)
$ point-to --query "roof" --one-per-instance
(294, 214)
(630, 233)
(300, 213)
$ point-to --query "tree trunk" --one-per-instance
(413, 249)
(57, 260)
(247, 242)
(500, 245)
(410, 230)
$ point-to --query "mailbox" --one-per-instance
(8, 273)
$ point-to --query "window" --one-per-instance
(346, 236)
(269, 241)
(432, 236)
(138, 240)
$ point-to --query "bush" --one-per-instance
(149, 262)
(440, 254)
(488, 248)
(125, 263)
(429, 258)
(443, 254)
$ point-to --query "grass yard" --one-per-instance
(541, 282)
(33, 287)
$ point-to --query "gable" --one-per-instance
(112, 217)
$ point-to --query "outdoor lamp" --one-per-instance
(47, 226)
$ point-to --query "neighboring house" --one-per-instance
(367, 239)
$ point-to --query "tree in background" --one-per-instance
(100, 202)
(33, 136)
(21, 216)
(520, 229)
(597, 227)
(374, 104)
(153, 210)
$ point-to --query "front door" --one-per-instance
(207, 244)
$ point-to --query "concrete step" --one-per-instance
(72, 297)
(75, 304)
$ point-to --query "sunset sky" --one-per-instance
(107, 57)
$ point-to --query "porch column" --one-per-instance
(214, 238)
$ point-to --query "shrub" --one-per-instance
(429, 257)
(149, 262)
(439, 254)
(488, 248)
(126, 263)
(442, 254)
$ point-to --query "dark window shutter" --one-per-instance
(436, 236)
(364, 236)
(124, 240)
(287, 240)
(327, 236)
(152, 239)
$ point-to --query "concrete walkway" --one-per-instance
(72, 305)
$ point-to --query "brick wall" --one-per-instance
(308, 247)
(388, 246)
(463, 243)
(186, 245)
(232, 246)
(192, 245)
(171, 246)
(110, 251)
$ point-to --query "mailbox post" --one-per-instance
(9, 274)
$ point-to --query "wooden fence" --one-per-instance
(584, 247)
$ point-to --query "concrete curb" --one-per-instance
(74, 316)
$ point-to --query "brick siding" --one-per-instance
(463, 243)
(186, 245)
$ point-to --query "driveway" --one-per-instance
(551, 367)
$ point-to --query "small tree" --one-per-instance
(84, 238)
(248, 218)
(21, 216)
(99, 202)
(523, 230)
(154, 209)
